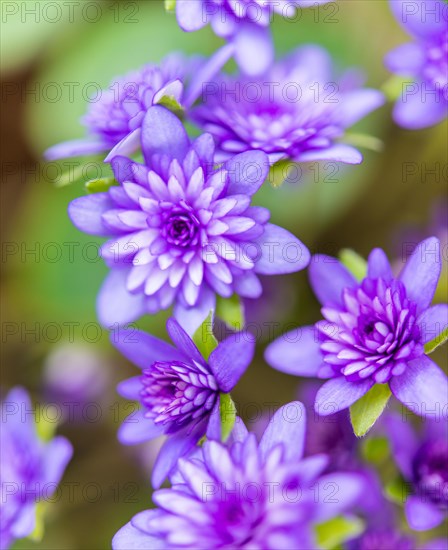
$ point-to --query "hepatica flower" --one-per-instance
(245, 23)
(374, 332)
(245, 495)
(30, 469)
(178, 390)
(425, 60)
(422, 458)
(181, 230)
(116, 115)
(295, 111)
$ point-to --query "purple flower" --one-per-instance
(246, 495)
(374, 332)
(294, 111)
(424, 102)
(115, 117)
(30, 469)
(179, 391)
(423, 460)
(245, 23)
(182, 230)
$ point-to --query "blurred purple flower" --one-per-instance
(374, 332)
(423, 460)
(75, 374)
(245, 23)
(424, 102)
(245, 495)
(178, 390)
(29, 467)
(114, 119)
(182, 230)
(294, 111)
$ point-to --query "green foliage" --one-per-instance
(100, 185)
(375, 450)
(355, 263)
(437, 341)
(227, 413)
(170, 5)
(366, 411)
(231, 311)
(171, 103)
(204, 337)
(337, 530)
(397, 491)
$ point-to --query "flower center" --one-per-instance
(177, 393)
(430, 470)
(181, 228)
(373, 334)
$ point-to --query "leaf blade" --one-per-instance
(366, 411)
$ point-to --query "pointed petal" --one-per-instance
(379, 266)
(338, 394)
(86, 213)
(115, 305)
(254, 49)
(433, 321)
(297, 352)
(231, 358)
(126, 146)
(163, 133)
(280, 252)
(422, 388)
(339, 153)
(136, 428)
(287, 427)
(421, 273)
(329, 278)
(75, 148)
(247, 172)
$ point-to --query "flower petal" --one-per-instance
(407, 59)
(126, 146)
(422, 515)
(329, 278)
(254, 50)
(131, 538)
(423, 19)
(75, 148)
(359, 103)
(191, 16)
(163, 133)
(412, 113)
(136, 428)
(281, 252)
(379, 266)
(339, 153)
(86, 213)
(422, 388)
(433, 321)
(403, 441)
(287, 427)
(191, 318)
(115, 305)
(338, 492)
(231, 358)
(247, 172)
(338, 394)
(183, 341)
(421, 273)
(296, 352)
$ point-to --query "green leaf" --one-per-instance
(393, 87)
(231, 311)
(227, 413)
(279, 172)
(170, 5)
(437, 341)
(39, 529)
(171, 103)
(375, 450)
(46, 422)
(100, 185)
(337, 530)
(355, 263)
(204, 337)
(366, 411)
(397, 491)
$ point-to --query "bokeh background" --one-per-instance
(53, 59)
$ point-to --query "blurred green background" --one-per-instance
(49, 274)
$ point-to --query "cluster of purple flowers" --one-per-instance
(183, 233)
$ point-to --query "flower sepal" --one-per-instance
(231, 311)
(436, 342)
(100, 185)
(204, 338)
(336, 531)
(355, 263)
(366, 411)
(227, 414)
